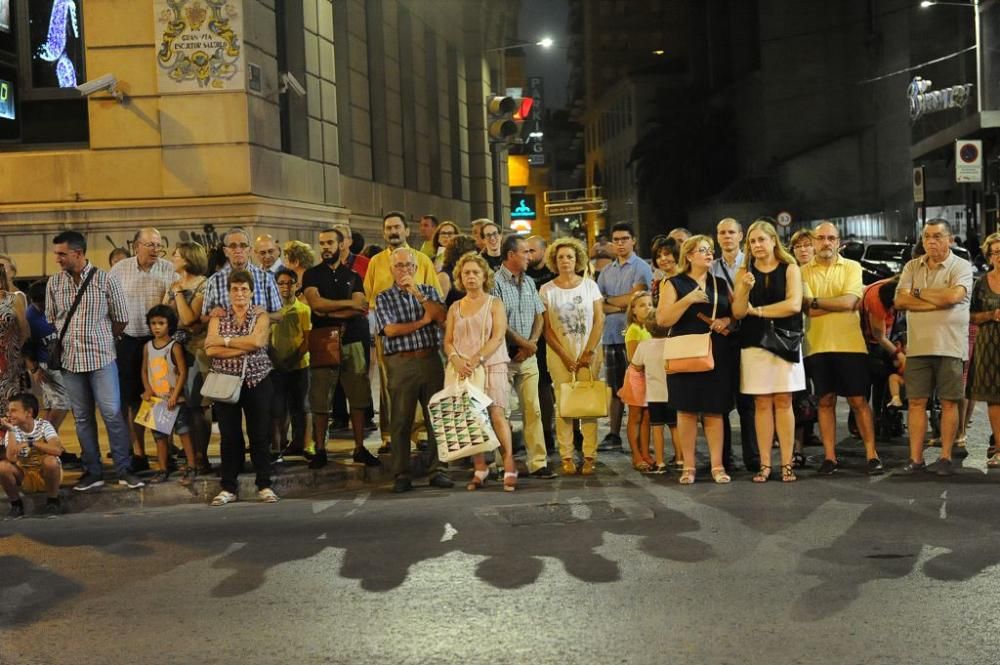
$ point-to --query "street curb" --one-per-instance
(292, 481)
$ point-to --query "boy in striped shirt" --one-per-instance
(32, 456)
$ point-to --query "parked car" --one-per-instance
(883, 259)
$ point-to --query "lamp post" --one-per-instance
(975, 6)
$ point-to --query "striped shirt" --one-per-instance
(258, 362)
(89, 343)
(43, 432)
(394, 305)
(265, 290)
(143, 290)
(519, 298)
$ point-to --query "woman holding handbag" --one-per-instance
(237, 344)
(694, 302)
(769, 300)
(574, 321)
(474, 340)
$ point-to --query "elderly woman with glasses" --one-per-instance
(694, 302)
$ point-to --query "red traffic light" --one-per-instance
(524, 110)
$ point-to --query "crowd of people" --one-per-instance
(276, 344)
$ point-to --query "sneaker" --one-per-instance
(318, 460)
(912, 468)
(362, 456)
(16, 511)
(267, 495)
(960, 451)
(139, 464)
(611, 442)
(942, 467)
(52, 508)
(828, 467)
(131, 481)
(875, 467)
(543, 473)
(568, 467)
(88, 482)
(589, 467)
(223, 497)
(401, 484)
(441, 481)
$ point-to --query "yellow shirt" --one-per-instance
(834, 332)
(379, 275)
(288, 336)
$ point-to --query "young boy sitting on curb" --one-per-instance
(32, 459)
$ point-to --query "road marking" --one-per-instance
(321, 537)
(579, 509)
(449, 532)
(359, 501)
(320, 506)
(943, 514)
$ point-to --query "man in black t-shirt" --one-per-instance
(336, 295)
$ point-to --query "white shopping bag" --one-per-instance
(461, 423)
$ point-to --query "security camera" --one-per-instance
(289, 82)
(108, 82)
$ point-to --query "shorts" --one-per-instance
(924, 374)
(31, 479)
(54, 395)
(843, 374)
(352, 376)
(615, 364)
(661, 413)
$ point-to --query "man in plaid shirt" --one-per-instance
(88, 360)
(236, 245)
(409, 317)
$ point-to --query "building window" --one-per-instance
(293, 110)
(41, 63)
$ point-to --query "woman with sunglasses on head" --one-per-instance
(769, 289)
(693, 302)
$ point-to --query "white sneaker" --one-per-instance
(223, 497)
(267, 495)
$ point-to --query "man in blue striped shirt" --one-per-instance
(409, 317)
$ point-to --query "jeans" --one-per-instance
(100, 388)
(255, 404)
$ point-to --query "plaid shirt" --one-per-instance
(89, 343)
(394, 305)
(143, 290)
(265, 290)
(520, 299)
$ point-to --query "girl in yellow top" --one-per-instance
(636, 317)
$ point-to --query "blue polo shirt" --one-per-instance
(617, 279)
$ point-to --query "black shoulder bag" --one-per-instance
(55, 346)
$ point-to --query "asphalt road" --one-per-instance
(620, 568)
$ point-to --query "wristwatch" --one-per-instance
(225, 340)
(814, 304)
(916, 293)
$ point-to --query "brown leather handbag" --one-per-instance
(325, 346)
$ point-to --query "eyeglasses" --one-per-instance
(621, 239)
(285, 282)
(997, 253)
(404, 266)
(707, 251)
(237, 245)
(446, 233)
(151, 245)
(494, 234)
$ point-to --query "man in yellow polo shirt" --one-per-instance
(836, 355)
(378, 279)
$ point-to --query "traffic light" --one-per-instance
(500, 122)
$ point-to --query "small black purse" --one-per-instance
(786, 344)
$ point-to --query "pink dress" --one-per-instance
(468, 339)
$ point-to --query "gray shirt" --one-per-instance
(940, 332)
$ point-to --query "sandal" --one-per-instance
(188, 476)
(478, 480)
(687, 477)
(719, 475)
(787, 475)
(660, 469)
(641, 466)
(994, 461)
(510, 481)
(159, 477)
(798, 460)
(763, 475)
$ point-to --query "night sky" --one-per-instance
(547, 18)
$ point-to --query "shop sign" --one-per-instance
(923, 100)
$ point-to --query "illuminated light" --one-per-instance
(545, 42)
(521, 226)
(54, 49)
(659, 51)
(927, 3)
(524, 110)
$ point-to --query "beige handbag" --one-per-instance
(691, 353)
(583, 399)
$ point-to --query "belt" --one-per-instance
(419, 353)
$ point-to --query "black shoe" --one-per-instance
(441, 481)
(875, 467)
(385, 448)
(543, 473)
(798, 461)
(611, 442)
(131, 481)
(828, 467)
(319, 460)
(942, 467)
(912, 468)
(53, 508)
(16, 511)
(959, 452)
(362, 456)
(88, 482)
(139, 464)
(70, 461)
(401, 484)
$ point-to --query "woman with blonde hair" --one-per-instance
(694, 302)
(574, 321)
(299, 257)
(769, 295)
(474, 338)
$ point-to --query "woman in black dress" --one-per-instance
(686, 306)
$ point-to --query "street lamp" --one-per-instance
(975, 6)
(544, 42)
